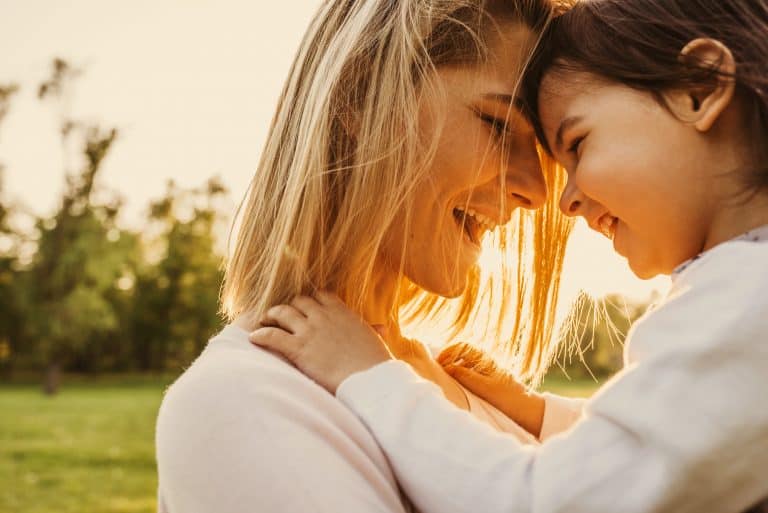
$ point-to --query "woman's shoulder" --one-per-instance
(229, 363)
(241, 422)
(237, 388)
(231, 374)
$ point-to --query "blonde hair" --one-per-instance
(343, 156)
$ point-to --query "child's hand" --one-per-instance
(322, 337)
(479, 373)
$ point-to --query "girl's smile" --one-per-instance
(644, 174)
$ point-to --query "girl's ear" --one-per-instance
(703, 104)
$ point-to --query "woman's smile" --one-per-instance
(472, 225)
(481, 170)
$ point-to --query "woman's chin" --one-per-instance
(445, 287)
(449, 284)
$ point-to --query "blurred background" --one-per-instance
(128, 133)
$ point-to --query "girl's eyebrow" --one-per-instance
(565, 125)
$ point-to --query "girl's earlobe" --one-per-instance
(708, 101)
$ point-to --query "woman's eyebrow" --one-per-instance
(505, 98)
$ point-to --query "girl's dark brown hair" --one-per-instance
(638, 43)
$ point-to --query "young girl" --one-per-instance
(658, 109)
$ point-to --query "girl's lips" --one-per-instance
(607, 225)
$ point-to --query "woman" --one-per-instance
(396, 146)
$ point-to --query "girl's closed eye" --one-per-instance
(574, 148)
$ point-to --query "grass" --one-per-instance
(91, 447)
(88, 449)
(557, 383)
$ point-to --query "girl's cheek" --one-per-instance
(597, 177)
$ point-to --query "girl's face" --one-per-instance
(460, 199)
(636, 173)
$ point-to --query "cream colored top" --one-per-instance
(682, 429)
(243, 431)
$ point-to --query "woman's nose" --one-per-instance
(530, 189)
(572, 200)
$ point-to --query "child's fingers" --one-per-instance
(304, 304)
(466, 355)
(284, 316)
(478, 384)
(503, 392)
(327, 298)
(276, 339)
(453, 354)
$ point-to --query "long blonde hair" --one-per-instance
(344, 154)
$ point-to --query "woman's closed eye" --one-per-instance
(499, 126)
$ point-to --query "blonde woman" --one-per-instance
(397, 146)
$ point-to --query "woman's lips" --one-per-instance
(470, 231)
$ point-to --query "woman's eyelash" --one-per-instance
(574, 147)
(498, 125)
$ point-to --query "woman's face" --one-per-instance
(460, 199)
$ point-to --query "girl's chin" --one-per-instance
(644, 274)
(643, 269)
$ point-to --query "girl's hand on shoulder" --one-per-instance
(322, 337)
(480, 374)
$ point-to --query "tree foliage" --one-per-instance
(182, 285)
(93, 295)
(81, 292)
(595, 336)
(9, 307)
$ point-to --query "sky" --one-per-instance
(191, 86)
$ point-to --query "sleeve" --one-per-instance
(236, 447)
(642, 446)
(560, 413)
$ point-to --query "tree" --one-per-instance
(595, 334)
(81, 253)
(176, 302)
(81, 292)
(9, 242)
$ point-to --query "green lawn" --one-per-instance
(90, 449)
(559, 384)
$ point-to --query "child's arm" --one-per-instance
(542, 415)
(637, 449)
(322, 337)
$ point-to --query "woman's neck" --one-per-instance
(378, 306)
(379, 309)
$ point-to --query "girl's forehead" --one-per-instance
(555, 94)
(565, 82)
(563, 90)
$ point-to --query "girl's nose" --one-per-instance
(572, 201)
